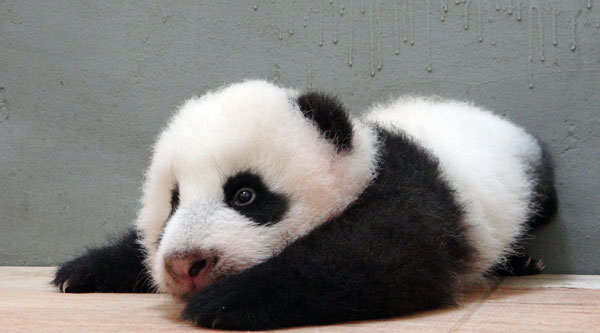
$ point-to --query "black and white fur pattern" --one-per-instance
(352, 218)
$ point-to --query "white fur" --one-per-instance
(255, 126)
(483, 157)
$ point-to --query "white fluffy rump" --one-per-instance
(484, 158)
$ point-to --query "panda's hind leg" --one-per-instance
(519, 265)
(544, 200)
(546, 205)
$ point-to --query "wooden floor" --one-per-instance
(548, 303)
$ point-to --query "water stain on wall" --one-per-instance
(4, 111)
(407, 17)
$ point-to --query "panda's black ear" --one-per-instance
(329, 116)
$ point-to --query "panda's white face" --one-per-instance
(237, 175)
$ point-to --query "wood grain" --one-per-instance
(549, 303)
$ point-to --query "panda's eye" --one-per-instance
(246, 193)
(244, 196)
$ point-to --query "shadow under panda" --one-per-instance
(265, 208)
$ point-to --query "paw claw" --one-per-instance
(215, 322)
(64, 286)
(539, 265)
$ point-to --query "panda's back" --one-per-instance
(485, 159)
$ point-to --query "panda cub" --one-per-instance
(264, 207)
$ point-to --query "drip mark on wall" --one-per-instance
(396, 27)
(404, 22)
(4, 111)
(277, 75)
(428, 13)
(335, 22)
(466, 15)
(412, 22)
(351, 47)
(309, 71)
(554, 15)
(575, 12)
(379, 38)
(371, 39)
(291, 26)
(443, 9)
(541, 34)
(321, 37)
(540, 40)
(479, 23)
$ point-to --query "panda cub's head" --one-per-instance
(241, 172)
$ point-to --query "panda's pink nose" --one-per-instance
(190, 270)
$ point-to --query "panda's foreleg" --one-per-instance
(117, 267)
(275, 294)
(343, 272)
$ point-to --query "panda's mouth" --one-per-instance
(203, 279)
(184, 288)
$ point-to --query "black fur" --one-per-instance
(398, 249)
(267, 208)
(117, 267)
(329, 116)
(174, 205)
(545, 198)
(519, 265)
(174, 200)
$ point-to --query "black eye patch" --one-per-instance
(247, 193)
(174, 200)
(174, 205)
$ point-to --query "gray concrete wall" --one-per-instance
(86, 85)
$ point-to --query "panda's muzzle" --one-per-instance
(191, 271)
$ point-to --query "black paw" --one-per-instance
(76, 276)
(519, 265)
(117, 268)
(220, 307)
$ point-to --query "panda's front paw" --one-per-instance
(76, 276)
(220, 307)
